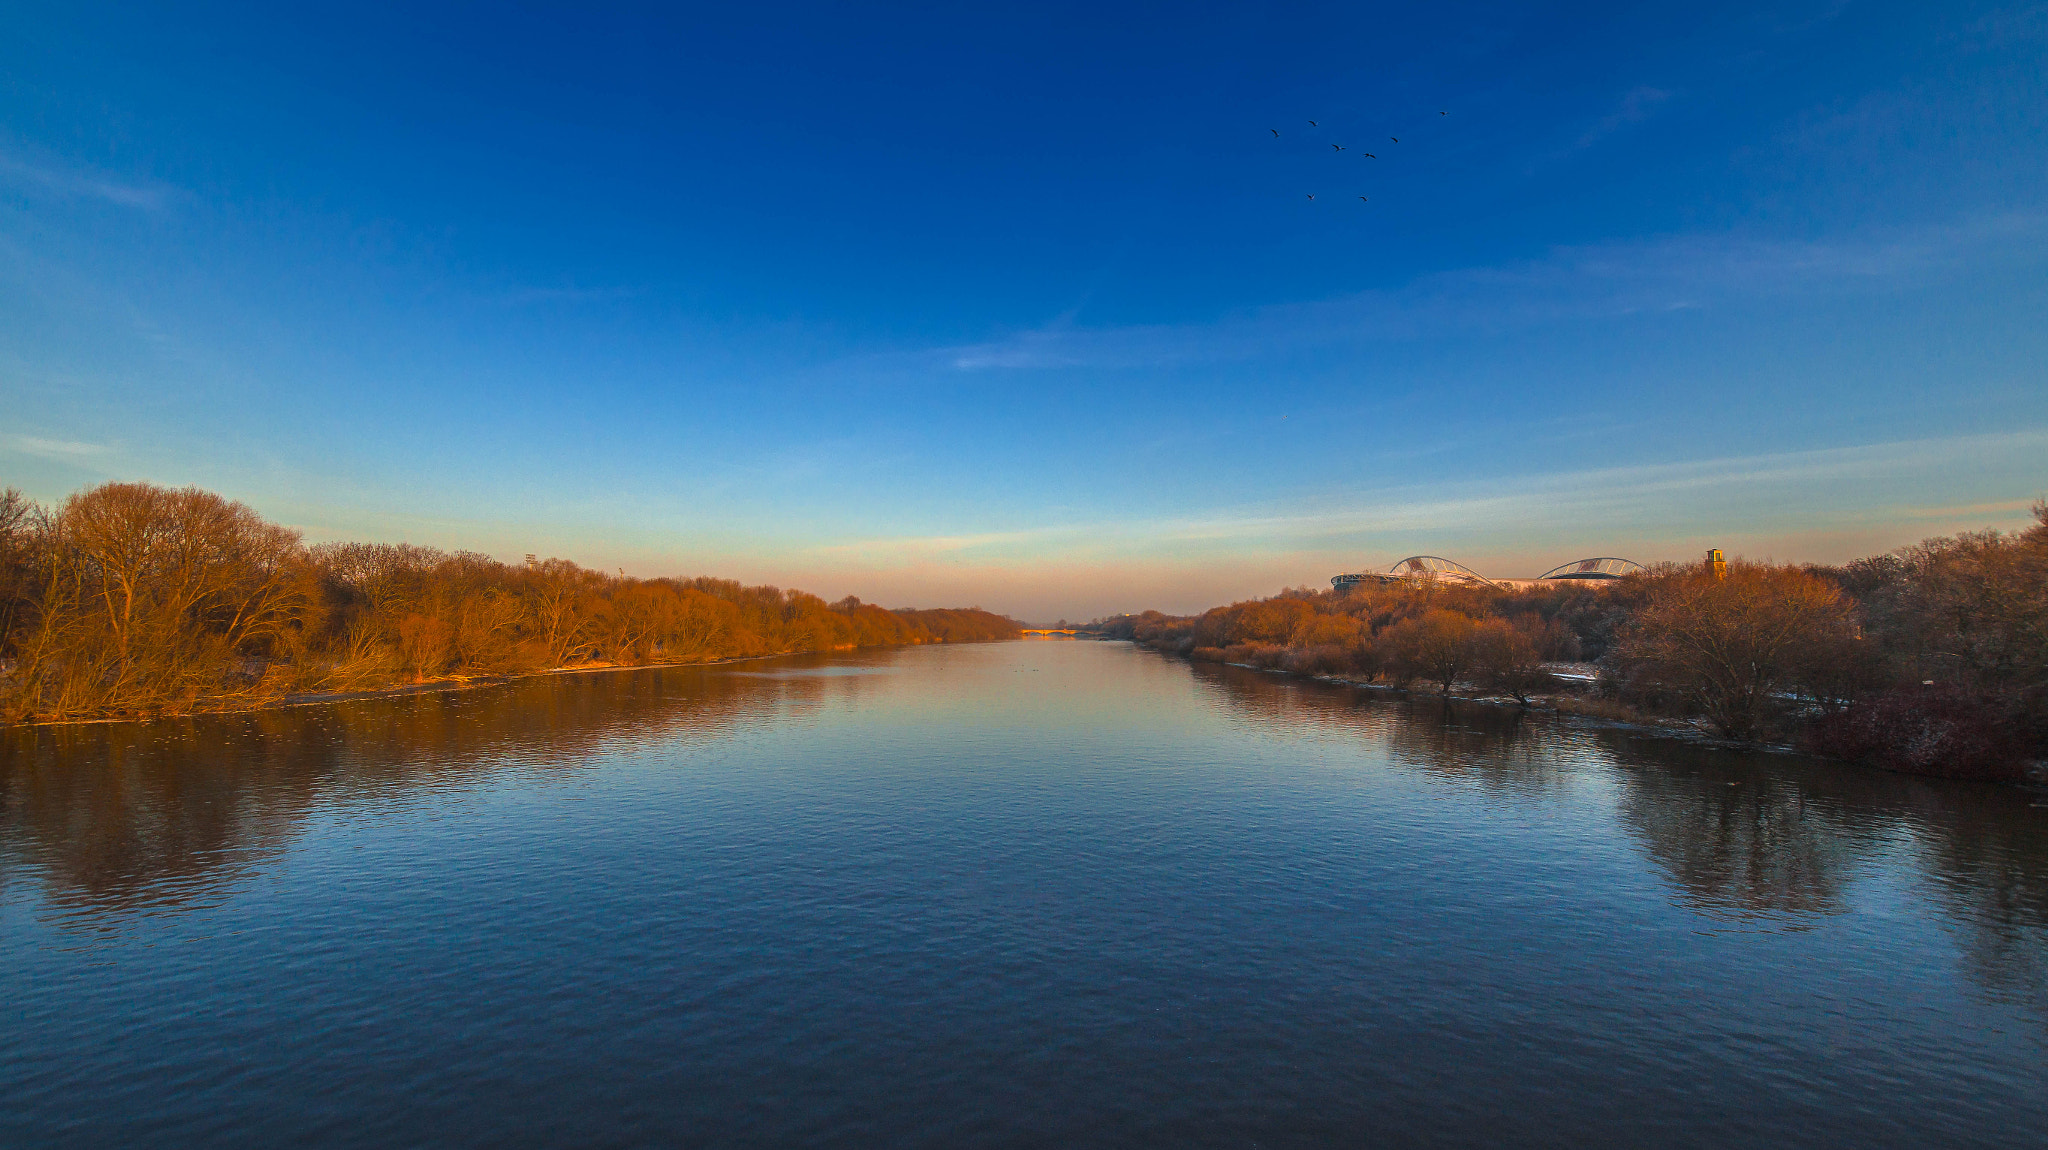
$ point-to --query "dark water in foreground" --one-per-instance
(1008, 894)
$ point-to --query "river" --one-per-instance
(1037, 893)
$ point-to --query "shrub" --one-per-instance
(1322, 659)
(1254, 654)
(1942, 731)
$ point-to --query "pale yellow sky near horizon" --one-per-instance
(1819, 506)
(1043, 590)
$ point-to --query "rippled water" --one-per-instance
(1009, 894)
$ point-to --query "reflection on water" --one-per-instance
(1754, 843)
(1058, 893)
(136, 815)
(1735, 832)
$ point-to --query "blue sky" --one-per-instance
(1025, 306)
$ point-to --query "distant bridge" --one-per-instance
(1055, 631)
(1599, 569)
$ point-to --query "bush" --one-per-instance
(1322, 659)
(1941, 731)
(1254, 654)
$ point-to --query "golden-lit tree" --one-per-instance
(1508, 656)
(1733, 644)
(136, 599)
(1438, 646)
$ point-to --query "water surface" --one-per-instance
(1038, 893)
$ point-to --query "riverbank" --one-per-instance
(1606, 713)
(1928, 661)
(221, 611)
(439, 686)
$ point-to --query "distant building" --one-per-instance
(1600, 569)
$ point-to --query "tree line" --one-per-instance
(1932, 659)
(131, 599)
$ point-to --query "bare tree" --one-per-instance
(556, 591)
(1732, 644)
(1437, 647)
(20, 537)
(1508, 658)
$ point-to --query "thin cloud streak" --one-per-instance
(59, 449)
(1639, 105)
(2002, 509)
(53, 181)
(1620, 499)
(1571, 283)
(523, 297)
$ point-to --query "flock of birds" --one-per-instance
(1342, 148)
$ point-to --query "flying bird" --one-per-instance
(1339, 147)
(1396, 139)
(1311, 195)
(1363, 200)
(1443, 113)
(1311, 123)
(1368, 155)
(1275, 131)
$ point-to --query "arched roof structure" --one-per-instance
(1437, 567)
(1601, 567)
(1597, 569)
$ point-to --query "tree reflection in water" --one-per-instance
(122, 817)
(1990, 868)
(1733, 833)
(1494, 748)
(114, 819)
(1790, 837)
(1736, 832)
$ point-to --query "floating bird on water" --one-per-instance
(1443, 113)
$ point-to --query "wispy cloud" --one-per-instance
(928, 546)
(1635, 107)
(70, 183)
(60, 449)
(1570, 283)
(521, 297)
(2003, 509)
(1632, 501)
